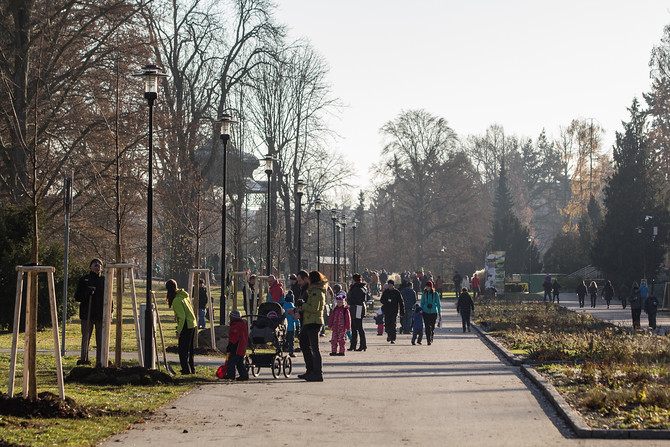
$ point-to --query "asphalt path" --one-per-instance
(456, 392)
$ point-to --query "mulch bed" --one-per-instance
(118, 376)
(47, 405)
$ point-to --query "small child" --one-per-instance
(417, 325)
(238, 337)
(289, 310)
(339, 322)
(379, 319)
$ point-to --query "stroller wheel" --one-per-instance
(276, 367)
(287, 366)
(253, 369)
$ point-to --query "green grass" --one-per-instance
(125, 405)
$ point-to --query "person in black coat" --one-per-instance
(392, 304)
(409, 299)
(464, 306)
(581, 293)
(90, 293)
(356, 300)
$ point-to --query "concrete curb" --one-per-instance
(572, 417)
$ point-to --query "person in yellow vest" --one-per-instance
(180, 303)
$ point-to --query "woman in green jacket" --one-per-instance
(312, 320)
(180, 303)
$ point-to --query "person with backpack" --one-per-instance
(432, 310)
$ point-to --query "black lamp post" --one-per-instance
(343, 222)
(299, 187)
(354, 224)
(530, 260)
(151, 74)
(317, 208)
(333, 217)
(339, 242)
(226, 121)
(268, 170)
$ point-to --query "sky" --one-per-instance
(527, 65)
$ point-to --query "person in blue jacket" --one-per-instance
(430, 303)
(291, 322)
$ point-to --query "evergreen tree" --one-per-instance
(509, 235)
(625, 248)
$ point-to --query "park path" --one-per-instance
(456, 392)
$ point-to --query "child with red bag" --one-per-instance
(238, 337)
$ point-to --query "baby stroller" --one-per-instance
(269, 328)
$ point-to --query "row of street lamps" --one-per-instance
(151, 75)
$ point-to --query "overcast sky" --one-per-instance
(523, 64)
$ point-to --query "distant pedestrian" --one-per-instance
(379, 321)
(432, 310)
(556, 291)
(180, 303)
(623, 294)
(608, 292)
(409, 297)
(464, 306)
(291, 322)
(457, 279)
(476, 291)
(203, 301)
(356, 299)
(635, 301)
(593, 292)
(581, 293)
(417, 325)
(546, 285)
(392, 305)
(439, 285)
(651, 307)
(465, 283)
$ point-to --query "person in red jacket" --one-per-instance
(474, 285)
(238, 337)
(276, 290)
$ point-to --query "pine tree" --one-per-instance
(625, 248)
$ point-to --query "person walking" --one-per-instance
(476, 291)
(635, 302)
(546, 285)
(312, 320)
(432, 310)
(417, 325)
(238, 338)
(339, 322)
(180, 303)
(463, 307)
(651, 307)
(356, 298)
(90, 294)
(556, 291)
(593, 292)
(409, 299)
(623, 294)
(203, 301)
(608, 292)
(581, 293)
(439, 285)
(457, 279)
(392, 304)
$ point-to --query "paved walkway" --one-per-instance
(456, 392)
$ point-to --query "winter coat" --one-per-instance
(465, 304)
(202, 297)
(651, 305)
(608, 292)
(635, 300)
(593, 289)
(183, 310)
(357, 294)
(556, 287)
(91, 279)
(316, 302)
(581, 290)
(290, 319)
(392, 302)
(276, 292)
(238, 337)
(417, 320)
(408, 297)
(340, 319)
(430, 302)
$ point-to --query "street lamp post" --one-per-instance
(343, 222)
(354, 224)
(299, 187)
(268, 170)
(226, 121)
(317, 208)
(151, 74)
(530, 260)
(333, 217)
(339, 243)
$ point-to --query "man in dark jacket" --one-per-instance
(458, 280)
(392, 304)
(409, 299)
(356, 299)
(89, 293)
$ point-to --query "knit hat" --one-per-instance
(235, 314)
(340, 297)
(429, 284)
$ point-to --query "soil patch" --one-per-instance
(118, 376)
(47, 405)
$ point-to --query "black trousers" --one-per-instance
(635, 313)
(390, 325)
(356, 330)
(429, 321)
(186, 350)
(86, 340)
(309, 345)
(581, 300)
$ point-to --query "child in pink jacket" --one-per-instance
(339, 322)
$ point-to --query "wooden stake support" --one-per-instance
(193, 279)
(110, 270)
(29, 361)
